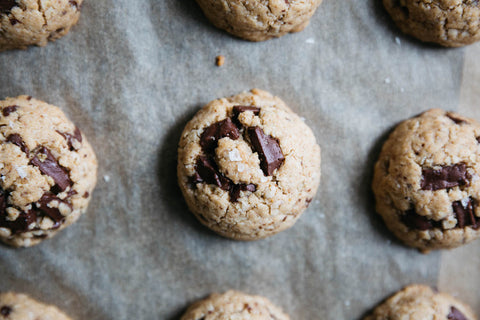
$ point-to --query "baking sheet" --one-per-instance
(132, 73)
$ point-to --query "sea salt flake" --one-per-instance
(21, 172)
(310, 41)
(234, 155)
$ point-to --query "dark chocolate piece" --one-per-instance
(77, 135)
(211, 135)
(415, 221)
(445, 177)
(5, 311)
(455, 314)
(7, 5)
(18, 141)
(236, 188)
(455, 119)
(53, 213)
(208, 173)
(465, 215)
(21, 223)
(7, 110)
(50, 167)
(268, 149)
(478, 139)
(239, 109)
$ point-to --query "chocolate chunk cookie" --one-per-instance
(14, 306)
(248, 166)
(259, 20)
(419, 302)
(234, 305)
(451, 23)
(32, 22)
(426, 181)
(47, 171)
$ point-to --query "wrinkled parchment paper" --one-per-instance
(132, 73)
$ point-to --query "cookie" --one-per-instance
(419, 302)
(32, 22)
(248, 166)
(450, 23)
(47, 171)
(259, 20)
(234, 305)
(14, 306)
(426, 181)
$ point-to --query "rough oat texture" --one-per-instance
(419, 302)
(35, 22)
(259, 20)
(451, 23)
(234, 305)
(426, 181)
(14, 306)
(231, 184)
(47, 171)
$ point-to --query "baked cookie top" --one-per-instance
(451, 23)
(426, 181)
(15, 306)
(248, 166)
(234, 305)
(47, 171)
(259, 20)
(32, 22)
(419, 302)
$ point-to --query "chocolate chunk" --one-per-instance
(14, 21)
(50, 167)
(268, 149)
(239, 109)
(236, 188)
(77, 135)
(23, 220)
(478, 139)
(465, 214)
(455, 314)
(445, 177)
(73, 3)
(86, 194)
(18, 141)
(5, 311)
(415, 221)
(208, 173)
(7, 110)
(455, 119)
(52, 212)
(7, 5)
(211, 135)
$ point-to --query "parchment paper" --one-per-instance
(132, 73)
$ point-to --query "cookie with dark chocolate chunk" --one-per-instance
(248, 166)
(30, 22)
(420, 302)
(46, 169)
(15, 306)
(427, 182)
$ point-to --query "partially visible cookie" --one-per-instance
(234, 305)
(32, 22)
(259, 20)
(419, 302)
(248, 166)
(15, 306)
(47, 171)
(427, 180)
(450, 23)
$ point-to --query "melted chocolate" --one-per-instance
(445, 177)
(7, 110)
(50, 167)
